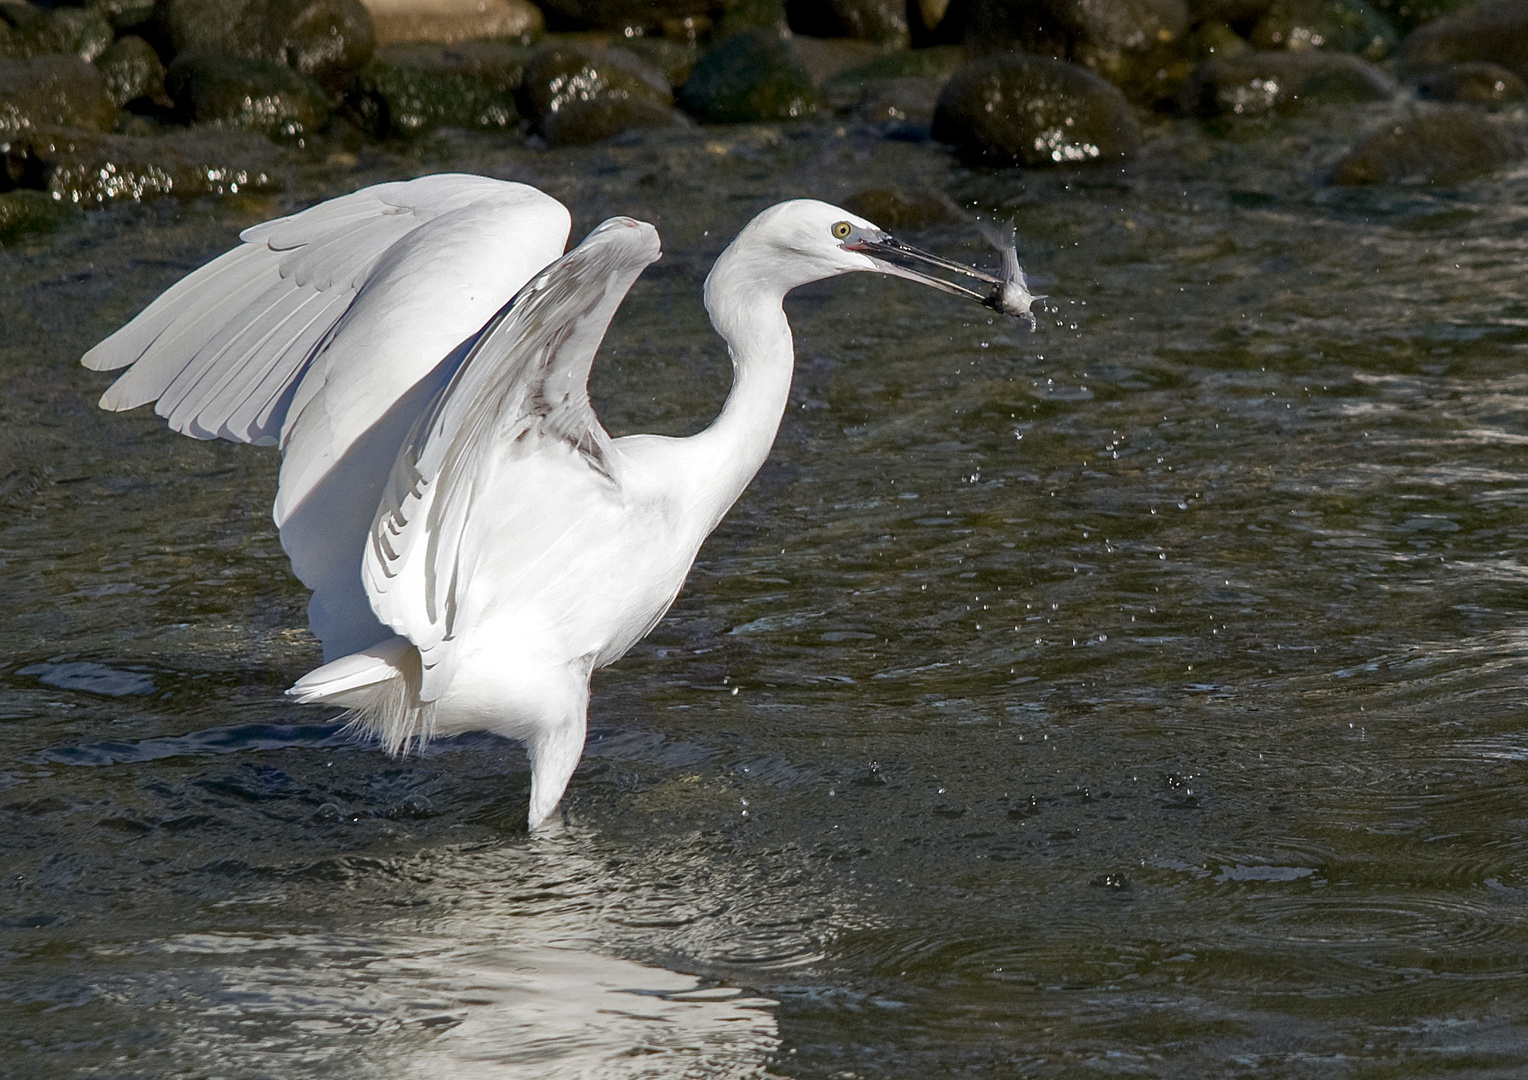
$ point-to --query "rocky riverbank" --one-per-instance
(130, 99)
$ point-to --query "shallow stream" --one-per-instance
(1141, 697)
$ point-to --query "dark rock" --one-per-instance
(1017, 109)
(132, 70)
(125, 16)
(1495, 32)
(413, 88)
(896, 88)
(329, 41)
(675, 59)
(26, 211)
(825, 58)
(237, 92)
(938, 63)
(749, 77)
(753, 15)
(31, 31)
(621, 14)
(1215, 38)
(448, 21)
(902, 105)
(894, 208)
(1472, 84)
(1436, 146)
(1344, 25)
(86, 170)
(883, 21)
(53, 91)
(574, 95)
(1410, 14)
(1261, 82)
(1123, 40)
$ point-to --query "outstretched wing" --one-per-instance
(244, 347)
(327, 332)
(522, 390)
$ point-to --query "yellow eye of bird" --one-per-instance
(841, 230)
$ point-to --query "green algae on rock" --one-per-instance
(1439, 145)
(1019, 109)
(53, 91)
(575, 95)
(237, 92)
(1266, 81)
(132, 70)
(749, 77)
(417, 87)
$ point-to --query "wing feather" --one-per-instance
(523, 386)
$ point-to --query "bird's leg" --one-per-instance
(554, 752)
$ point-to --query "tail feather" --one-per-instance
(379, 689)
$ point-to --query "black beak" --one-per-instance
(903, 260)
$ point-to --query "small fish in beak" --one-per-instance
(1012, 295)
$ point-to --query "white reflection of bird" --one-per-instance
(476, 543)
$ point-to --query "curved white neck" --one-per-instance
(747, 311)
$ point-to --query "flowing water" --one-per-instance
(1141, 697)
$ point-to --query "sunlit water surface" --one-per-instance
(1143, 697)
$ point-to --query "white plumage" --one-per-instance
(475, 541)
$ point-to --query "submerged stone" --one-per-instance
(1261, 82)
(132, 70)
(329, 41)
(1017, 109)
(1495, 32)
(86, 170)
(1471, 84)
(24, 211)
(449, 21)
(408, 89)
(750, 77)
(237, 92)
(576, 95)
(1437, 146)
(53, 91)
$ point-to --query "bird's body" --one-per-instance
(476, 543)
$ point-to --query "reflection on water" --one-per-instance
(1145, 697)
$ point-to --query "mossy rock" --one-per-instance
(750, 77)
(53, 91)
(408, 89)
(133, 71)
(25, 211)
(1018, 109)
(330, 41)
(86, 170)
(255, 95)
(576, 95)
(31, 31)
(1438, 146)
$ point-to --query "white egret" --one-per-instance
(476, 543)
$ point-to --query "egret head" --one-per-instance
(793, 243)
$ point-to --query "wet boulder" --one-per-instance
(898, 87)
(125, 16)
(900, 209)
(449, 21)
(53, 91)
(133, 71)
(412, 88)
(329, 41)
(1126, 41)
(1494, 32)
(1343, 25)
(575, 95)
(32, 31)
(1471, 84)
(621, 15)
(749, 77)
(674, 59)
(1262, 82)
(86, 170)
(1436, 146)
(881, 21)
(1019, 109)
(238, 92)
